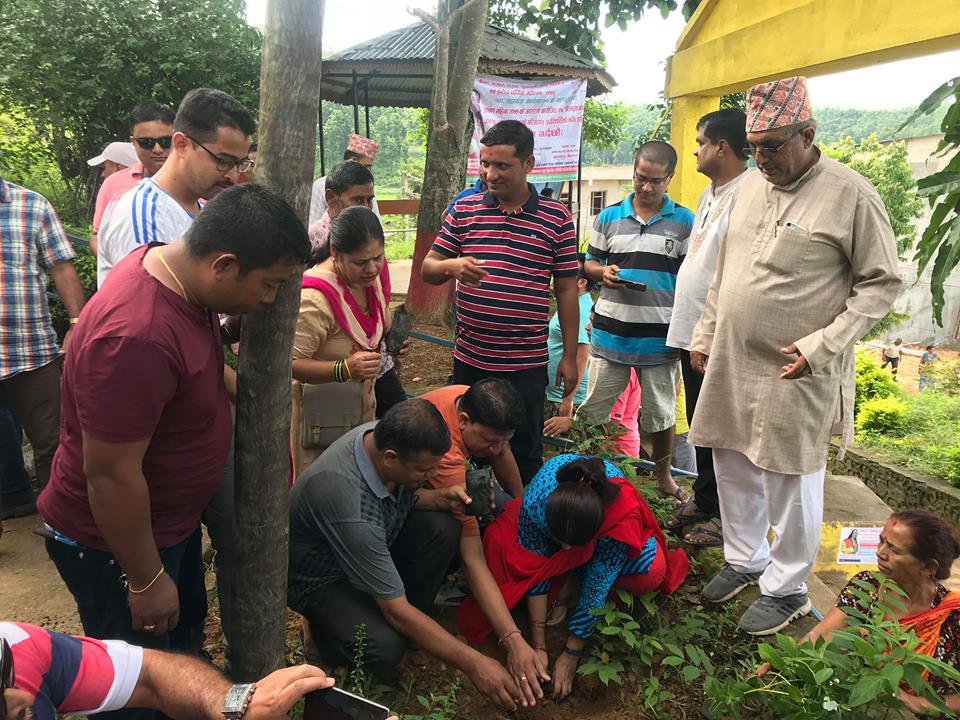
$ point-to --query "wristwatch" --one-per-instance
(237, 699)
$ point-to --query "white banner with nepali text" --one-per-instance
(552, 109)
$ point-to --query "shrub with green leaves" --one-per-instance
(872, 380)
(883, 416)
(946, 376)
(855, 675)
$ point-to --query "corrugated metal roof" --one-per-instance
(397, 68)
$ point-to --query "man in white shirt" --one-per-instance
(721, 137)
(891, 356)
(209, 150)
(360, 149)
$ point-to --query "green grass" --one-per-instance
(400, 246)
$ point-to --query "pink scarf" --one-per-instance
(366, 328)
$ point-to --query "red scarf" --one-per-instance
(517, 569)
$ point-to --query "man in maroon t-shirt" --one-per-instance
(146, 420)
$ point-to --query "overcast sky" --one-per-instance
(636, 58)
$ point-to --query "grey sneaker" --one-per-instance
(770, 614)
(727, 583)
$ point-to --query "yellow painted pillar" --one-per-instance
(687, 183)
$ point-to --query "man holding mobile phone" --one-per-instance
(43, 673)
(635, 252)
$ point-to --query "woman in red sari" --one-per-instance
(916, 550)
(578, 515)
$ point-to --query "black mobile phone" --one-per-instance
(479, 481)
(639, 287)
(336, 704)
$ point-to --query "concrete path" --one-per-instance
(400, 276)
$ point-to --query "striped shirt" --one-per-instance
(67, 674)
(141, 216)
(502, 325)
(32, 241)
(630, 327)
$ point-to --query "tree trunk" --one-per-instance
(449, 110)
(289, 101)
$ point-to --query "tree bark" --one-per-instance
(289, 101)
(449, 111)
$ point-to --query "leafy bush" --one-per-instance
(931, 443)
(883, 416)
(946, 376)
(855, 675)
(872, 380)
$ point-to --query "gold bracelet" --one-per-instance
(148, 585)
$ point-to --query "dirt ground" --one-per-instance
(30, 588)
(907, 374)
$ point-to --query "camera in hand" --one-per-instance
(336, 704)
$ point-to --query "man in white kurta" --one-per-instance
(721, 137)
(807, 266)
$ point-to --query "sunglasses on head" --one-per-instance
(147, 143)
(6, 674)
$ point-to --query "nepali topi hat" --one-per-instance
(778, 104)
(363, 146)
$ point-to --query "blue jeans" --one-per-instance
(14, 481)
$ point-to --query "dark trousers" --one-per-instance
(14, 481)
(93, 577)
(422, 552)
(389, 391)
(527, 442)
(34, 396)
(705, 486)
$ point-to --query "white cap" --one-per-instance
(121, 153)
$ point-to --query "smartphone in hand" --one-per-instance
(479, 483)
(639, 287)
(336, 704)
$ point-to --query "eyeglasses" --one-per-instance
(226, 164)
(7, 674)
(768, 150)
(147, 143)
(652, 182)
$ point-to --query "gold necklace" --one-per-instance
(183, 290)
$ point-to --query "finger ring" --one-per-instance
(149, 628)
(523, 678)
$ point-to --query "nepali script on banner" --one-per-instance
(552, 109)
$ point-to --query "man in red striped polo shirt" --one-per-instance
(503, 247)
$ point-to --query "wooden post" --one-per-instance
(289, 102)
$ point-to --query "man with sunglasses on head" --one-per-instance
(151, 132)
(208, 152)
(807, 265)
(43, 673)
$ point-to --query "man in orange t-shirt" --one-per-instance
(482, 419)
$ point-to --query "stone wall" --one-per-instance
(898, 487)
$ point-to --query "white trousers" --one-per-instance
(753, 501)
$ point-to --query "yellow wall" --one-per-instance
(729, 45)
